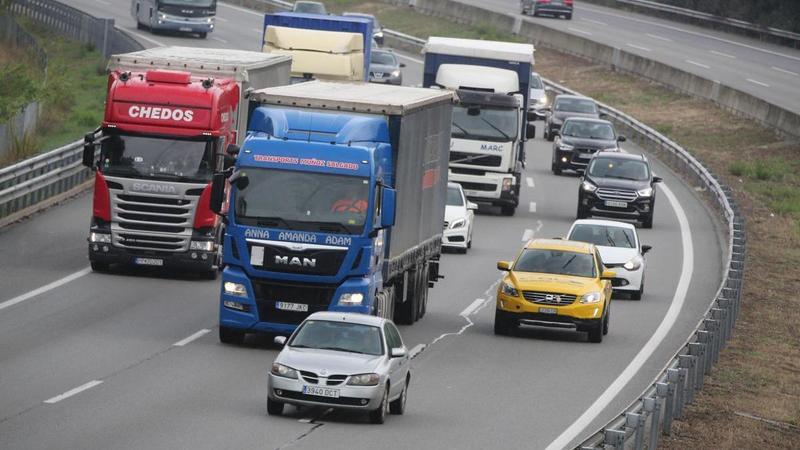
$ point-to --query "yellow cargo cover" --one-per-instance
(329, 55)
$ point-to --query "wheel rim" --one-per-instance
(385, 405)
(405, 396)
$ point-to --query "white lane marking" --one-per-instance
(695, 33)
(141, 36)
(191, 338)
(527, 235)
(660, 38)
(788, 72)
(698, 64)
(472, 307)
(47, 287)
(721, 54)
(638, 47)
(577, 30)
(488, 294)
(595, 21)
(529, 180)
(219, 39)
(408, 58)
(532, 207)
(416, 350)
(240, 9)
(306, 420)
(758, 82)
(72, 392)
(636, 364)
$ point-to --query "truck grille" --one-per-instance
(152, 223)
(474, 159)
(548, 298)
(478, 186)
(622, 195)
(317, 297)
(312, 261)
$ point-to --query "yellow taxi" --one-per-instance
(555, 283)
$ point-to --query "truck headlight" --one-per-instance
(364, 379)
(591, 297)
(633, 264)
(646, 192)
(162, 16)
(351, 298)
(507, 183)
(509, 289)
(237, 289)
(588, 187)
(101, 238)
(203, 246)
(230, 304)
(565, 147)
(458, 223)
(283, 371)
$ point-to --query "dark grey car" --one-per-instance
(308, 7)
(385, 68)
(565, 106)
(580, 138)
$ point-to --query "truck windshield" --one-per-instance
(304, 201)
(158, 158)
(490, 124)
(196, 3)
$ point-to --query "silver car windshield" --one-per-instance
(556, 262)
(339, 336)
(604, 235)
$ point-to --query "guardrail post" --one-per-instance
(614, 438)
(678, 377)
(712, 326)
(669, 401)
(720, 316)
(698, 350)
(517, 25)
(652, 405)
(689, 362)
(704, 337)
(726, 304)
(637, 422)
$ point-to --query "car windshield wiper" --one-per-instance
(300, 346)
(610, 240)
(342, 349)
(569, 262)
(628, 239)
(496, 129)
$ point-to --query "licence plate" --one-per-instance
(548, 310)
(584, 155)
(286, 306)
(148, 261)
(186, 29)
(320, 391)
(614, 204)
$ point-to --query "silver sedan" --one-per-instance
(341, 360)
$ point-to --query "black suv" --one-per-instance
(579, 140)
(617, 184)
(568, 106)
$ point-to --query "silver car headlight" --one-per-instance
(591, 297)
(283, 371)
(565, 147)
(509, 289)
(646, 192)
(588, 187)
(351, 298)
(633, 264)
(232, 288)
(364, 379)
(99, 238)
(395, 74)
(458, 223)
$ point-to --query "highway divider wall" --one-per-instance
(39, 182)
(784, 121)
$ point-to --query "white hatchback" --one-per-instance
(620, 250)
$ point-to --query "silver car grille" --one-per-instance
(331, 380)
(151, 222)
(548, 298)
(622, 195)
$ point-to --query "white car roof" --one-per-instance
(333, 316)
(608, 223)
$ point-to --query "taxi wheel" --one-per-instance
(605, 322)
(502, 325)
(274, 407)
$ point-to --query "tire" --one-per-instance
(596, 333)
(568, 16)
(582, 213)
(378, 415)
(139, 25)
(637, 295)
(274, 407)
(99, 267)
(605, 321)
(550, 136)
(469, 242)
(231, 336)
(405, 313)
(508, 210)
(502, 325)
(555, 167)
(211, 274)
(648, 221)
(398, 406)
(202, 35)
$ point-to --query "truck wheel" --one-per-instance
(274, 407)
(508, 210)
(99, 267)
(231, 336)
(405, 313)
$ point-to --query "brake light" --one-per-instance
(204, 217)
(101, 202)
(568, 2)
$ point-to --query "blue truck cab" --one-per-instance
(340, 211)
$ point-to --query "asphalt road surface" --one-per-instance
(132, 360)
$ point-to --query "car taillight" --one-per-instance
(542, 1)
(101, 203)
(204, 217)
(568, 2)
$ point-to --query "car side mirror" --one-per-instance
(240, 180)
(472, 206)
(280, 340)
(621, 139)
(646, 248)
(608, 274)
(657, 179)
(388, 206)
(217, 197)
(232, 150)
(530, 131)
(398, 352)
(88, 150)
(505, 266)
(402, 65)
(602, 115)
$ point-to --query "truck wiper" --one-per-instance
(272, 222)
(463, 130)
(497, 129)
(332, 227)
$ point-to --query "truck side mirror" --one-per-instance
(232, 150)
(240, 180)
(88, 150)
(228, 161)
(530, 131)
(217, 197)
(388, 205)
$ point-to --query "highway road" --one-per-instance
(765, 70)
(132, 360)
